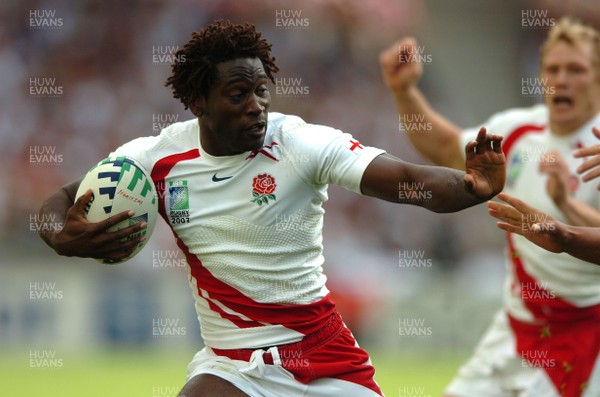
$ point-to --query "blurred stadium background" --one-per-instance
(82, 77)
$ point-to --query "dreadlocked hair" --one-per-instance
(194, 70)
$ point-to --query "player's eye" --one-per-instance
(263, 91)
(576, 69)
(236, 96)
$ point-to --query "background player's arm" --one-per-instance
(78, 237)
(545, 231)
(440, 189)
(401, 73)
(579, 213)
(590, 169)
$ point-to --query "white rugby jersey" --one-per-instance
(250, 225)
(526, 138)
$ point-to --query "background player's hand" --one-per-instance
(400, 65)
(591, 166)
(517, 217)
(561, 183)
(81, 238)
(485, 165)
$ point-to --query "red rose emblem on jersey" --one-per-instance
(263, 187)
(264, 184)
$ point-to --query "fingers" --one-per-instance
(516, 212)
(78, 207)
(591, 165)
(113, 220)
(516, 203)
(552, 160)
(484, 143)
(587, 151)
(509, 228)
(504, 213)
(117, 244)
(390, 58)
(405, 48)
(497, 143)
(476, 146)
(401, 65)
(593, 174)
(121, 243)
(120, 250)
(588, 165)
(122, 234)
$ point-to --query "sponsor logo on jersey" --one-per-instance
(179, 202)
(215, 178)
(263, 187)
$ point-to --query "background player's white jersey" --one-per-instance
(526, 139)
(250, 225)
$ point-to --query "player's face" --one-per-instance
(234, 113)
(573, 88)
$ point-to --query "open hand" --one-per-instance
(561, 183)
(517, 217)
(485, 165)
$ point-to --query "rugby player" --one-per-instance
(545, 341)
(267, 319)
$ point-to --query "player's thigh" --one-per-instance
(206, 385)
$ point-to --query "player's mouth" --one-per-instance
(562, 102)
(256, 129)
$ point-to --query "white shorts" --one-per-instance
(497, 370)
(257, 379)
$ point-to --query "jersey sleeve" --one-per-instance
(329, 156)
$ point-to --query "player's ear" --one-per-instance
(198, 106)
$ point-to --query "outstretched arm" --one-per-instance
(440, 189)
(401, 72)
(78, 237)
(541, 229)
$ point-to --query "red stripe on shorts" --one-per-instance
(331, 352)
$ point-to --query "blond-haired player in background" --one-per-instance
(546, 339)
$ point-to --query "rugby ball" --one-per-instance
(120, 184)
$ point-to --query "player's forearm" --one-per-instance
(431, 134)
(54, 210)
(439, 189)
(581, 242)
(579, 213)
